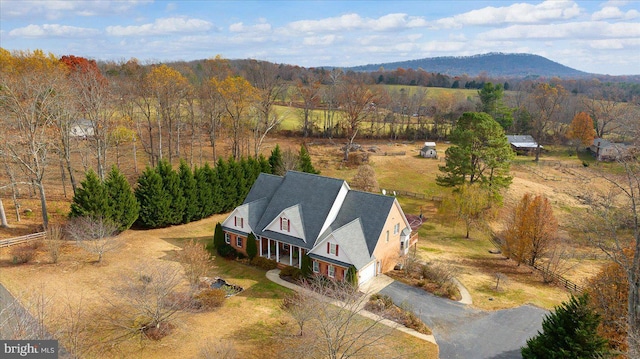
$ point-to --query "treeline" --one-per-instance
(164, 196)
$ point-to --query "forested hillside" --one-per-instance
(492, 64)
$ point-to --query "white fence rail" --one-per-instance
(22, 239)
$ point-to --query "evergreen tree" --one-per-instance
(203, 190)
(122, 202)
(227, 184)
(218, 236)
(252, 247)
(155, 202)
(276, 162)
(91, 198)
(491, 103)
(305, 265)
(189, 192)
(304, 162)
(569, 332)
(245, 172)
(265, 166)
(217, 191)
(480, 153)
(172, 186)
(352, 276)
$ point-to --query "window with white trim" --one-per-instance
(333, 249)
(284, 224)
(332, 271)
(238, 221)
(396, 228)
(227, 238)
(239, 242)
(316, 267)
(387, 236)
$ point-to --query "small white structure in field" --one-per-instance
(83, 128)
(429, 150)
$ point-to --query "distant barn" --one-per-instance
(604, 150)
(523, 144)
(429, 150)
(82, 128)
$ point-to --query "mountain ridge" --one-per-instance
(494, 64)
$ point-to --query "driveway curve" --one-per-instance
(464, 332)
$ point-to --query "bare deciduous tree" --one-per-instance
(31, 92)
(613, 224)
(53, 242)
(94, 234)
(145, 304)
(337, 330)
(365, 179)
(196, 260)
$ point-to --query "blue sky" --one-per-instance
(595, 36)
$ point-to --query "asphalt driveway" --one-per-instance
(468, 333)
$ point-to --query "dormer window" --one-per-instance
(284, 224)
(332, 248)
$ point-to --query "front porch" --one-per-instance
(282, 253)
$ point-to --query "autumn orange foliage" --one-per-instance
(608, 295)
(581, 128)
(531, 230)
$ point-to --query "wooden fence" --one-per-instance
(397, 192)
(546, 273)
(22, 239)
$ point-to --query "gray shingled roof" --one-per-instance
(372, 209)
(264, 187)
(313, 194)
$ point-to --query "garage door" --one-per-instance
(365, 274)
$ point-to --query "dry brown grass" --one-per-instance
(247, 320)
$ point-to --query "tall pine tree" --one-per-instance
(304, 161)
(171, 185)
(122, 202)
(189, 192)
(265, 166)
(91, 198)
(571, 331)
(276, 162)
(155, 202)
(203, 190)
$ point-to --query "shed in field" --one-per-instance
(523, 144)
(429, 150)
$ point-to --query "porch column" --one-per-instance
(300, 257)
(277, 252)
(269, 247)
(290, 255)
(260, 246)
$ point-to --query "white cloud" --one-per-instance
(614, 44)
(55, 9)
(242, 28)
(573, 30)
(354, 21)
(319, 40)
(161, 27)
(52, 30)
(611, 12)
(516, 13)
